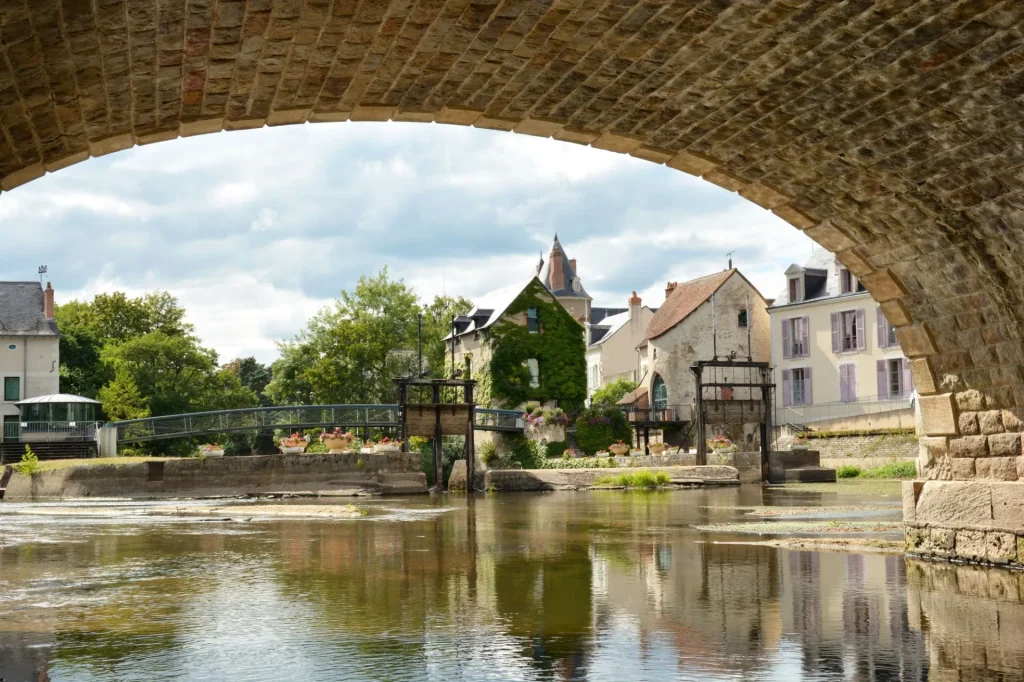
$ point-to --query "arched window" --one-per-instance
(659, 393)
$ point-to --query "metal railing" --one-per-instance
(50, 431)
(663, 414)
(869, 405)
(260, 418)
(488, 419)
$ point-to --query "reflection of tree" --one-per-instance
(25, 656)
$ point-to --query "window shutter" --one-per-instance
(785, 339)
(851, 381)
(862, 341)
(808, 384)
(883, 336)
(805, 335)
(787, 392)
(843, 384)
(883, 383)
(908, 381)
(835, 333)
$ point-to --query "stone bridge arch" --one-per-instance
(889, 131)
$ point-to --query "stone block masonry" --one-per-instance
(865, 452)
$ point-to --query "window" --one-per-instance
(594, 379)
(894, 378)
(846, 281)
(12, 347)
(886, 332)
(659, 392)
(12, 388)
(794, 290)
(848, 383)
(534, 368)
(796, 386)
(532, 322)
(742, 318)
(848, 331)
(795, 338)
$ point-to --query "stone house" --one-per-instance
(612, 343)
(29, 348)
(721, 313)
(837, 359)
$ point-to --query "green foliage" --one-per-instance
(488, 452)
(579, 463)
(811, 435)
(253, 375)
(597, 429)
(898, 469)
(847, 471)
(644, 478)
(437, 324)
(610, 395)
(452, 448)
(555, 448)
(559, 350)
(29, 464)
(122, 398)
(526, 454)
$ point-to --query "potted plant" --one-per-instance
(388, 445)
(720, 444)
(367, 447)
(294, 444)
(618, 448)
(800, 442)
(211, 450)
(657, 448)
(337, 441)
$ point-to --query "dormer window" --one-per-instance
(847, 282)
(794, 290)
(577, 286)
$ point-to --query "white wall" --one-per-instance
(41, 355)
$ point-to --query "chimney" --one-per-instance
(572, 264)
(556, 273)
(634, 310)
(48, 301)
(669, 288)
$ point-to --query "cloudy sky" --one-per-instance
(256, 230)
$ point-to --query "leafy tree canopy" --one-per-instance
(610, 395)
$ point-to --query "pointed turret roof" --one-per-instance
(559, 279)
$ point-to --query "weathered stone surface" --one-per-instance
(933, 458)
(1002, 547)
(969, 446)
(1008, 506)
(972, 545)
(938, 415)
(990, 422)
(968, 422)
(996, 468)
(962, 469)
(972, 401)
(1004, 445)
(1011, 422)
(955, 504)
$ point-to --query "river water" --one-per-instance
(595, 586)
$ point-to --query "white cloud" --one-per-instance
(233, 193)
(265, 221)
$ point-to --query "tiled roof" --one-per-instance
(21, 310)
(684, 299)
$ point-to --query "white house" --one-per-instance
(29, 348)
(612, 343)
(832, 346)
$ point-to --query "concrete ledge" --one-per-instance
(394, 473)
(573, 479)
(972, 521)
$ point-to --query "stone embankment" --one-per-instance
(574, 479)
(396, 473)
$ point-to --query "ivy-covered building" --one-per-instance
(520, 343)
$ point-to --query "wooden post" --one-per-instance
(470, 444)
(702, 453)
(403, 418)
(438, 452)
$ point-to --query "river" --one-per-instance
(602, 586)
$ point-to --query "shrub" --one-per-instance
(644, 478)
(527, 454)
(555, 448)
(29, 464)
(847, 471)
(597, 429)
(608, 396)
(488, 452)
(899, 469)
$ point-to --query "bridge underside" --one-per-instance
(888, 131)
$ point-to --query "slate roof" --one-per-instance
(684, 299)
(564, 288)
(821, 279)
(608, 326)
(489, 308)
(21, 310)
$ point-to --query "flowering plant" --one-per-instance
(568, 454)
(296, 440)
(336, 434)
(387, 441)
(719, 442)
(209, 447)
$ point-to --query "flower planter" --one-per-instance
(387, 447)
(336, 445)
(294, 450)
(618, 449)
(366, 451)
(213, 453)
(658, 448)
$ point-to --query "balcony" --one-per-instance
(659, 415)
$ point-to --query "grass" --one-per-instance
(900, 469)
(639, 479)
(55, 464)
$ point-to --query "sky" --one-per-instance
(255, 230)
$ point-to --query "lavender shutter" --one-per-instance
(883, 383)
(808, 384)
(787, 393)
(862, 340)
(805, 335)
(908, 381)
(786, 349)
(844, 385)
(883, 336)
(852, 381)
(835, 333)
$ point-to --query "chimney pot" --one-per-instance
(48, 301)
(634, 300)
(572, 264)
(669, 288)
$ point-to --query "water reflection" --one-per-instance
(522, 587)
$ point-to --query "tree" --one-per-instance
(122, 399)
(437, 324)
(610, 395)
(254, 375)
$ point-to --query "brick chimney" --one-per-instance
(48, 301)
(572, 264)
(669, 288)
(634, 311)
(556, 273)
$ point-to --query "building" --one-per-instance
(721, 314)
(561, 277)
(29, 348)
(612, 343)
(835, 354)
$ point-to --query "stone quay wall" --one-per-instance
(392, 473)
(865, 452)
(525, 480)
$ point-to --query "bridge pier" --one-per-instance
(106, 441)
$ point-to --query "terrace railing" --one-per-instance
(50, 431)
(666, 414)
(488, 419)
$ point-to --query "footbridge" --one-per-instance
(359, 418)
